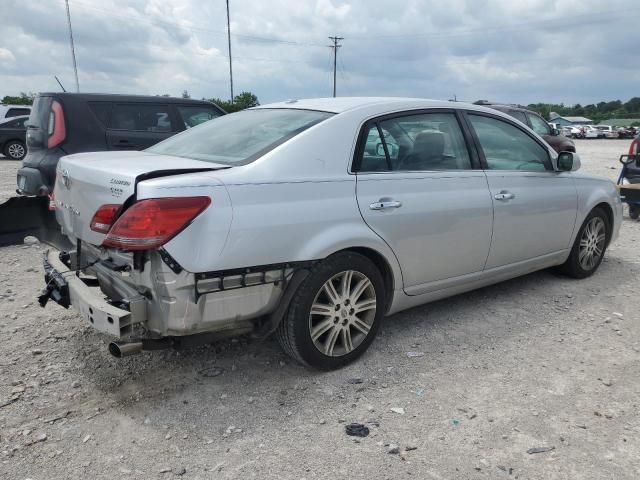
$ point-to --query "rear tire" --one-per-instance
(589, 247)
(15, 150)
(335, 313)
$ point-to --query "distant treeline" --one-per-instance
(597, 112)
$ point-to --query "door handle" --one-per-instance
(504, 195)
(384, 205)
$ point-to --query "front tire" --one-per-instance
(335, 313)
(634, 212)
(589, 247)
(15, 150)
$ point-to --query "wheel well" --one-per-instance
(385, 269)
(609, 213)
(4, 144)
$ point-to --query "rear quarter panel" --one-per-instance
(593, 191)
(272, 223)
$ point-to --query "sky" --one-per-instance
(515, 51)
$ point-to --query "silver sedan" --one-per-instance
(314, 219)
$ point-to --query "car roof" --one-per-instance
(344, 104)
(115, 97)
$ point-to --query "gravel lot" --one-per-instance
(540, 361)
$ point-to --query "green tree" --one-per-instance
(240, 102)
(23, 99)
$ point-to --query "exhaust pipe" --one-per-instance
(120, 350)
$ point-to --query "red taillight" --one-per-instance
(52, 202)
(634, 147)
(104, 218)
(151, 223)
(57, 131)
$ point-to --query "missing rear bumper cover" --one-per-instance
(211, 282)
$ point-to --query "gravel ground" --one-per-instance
(8, 170)
(539, 361)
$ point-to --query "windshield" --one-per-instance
(240, 138)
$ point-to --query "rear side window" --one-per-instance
(506, 147)
(195, 115)
(538, 125)
(141, 117)
(16, 112)
(102, 111)
(423, 142)
(518, 115)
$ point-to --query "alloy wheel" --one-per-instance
(592, 243)
(342, 313)
(16, 151)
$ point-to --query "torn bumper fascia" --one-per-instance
(165, 303)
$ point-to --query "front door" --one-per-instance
(418, 190)
(534, 207)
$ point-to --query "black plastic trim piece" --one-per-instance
(170, 261)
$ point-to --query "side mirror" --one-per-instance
(380, 150)
(555, 132)
(567, 162)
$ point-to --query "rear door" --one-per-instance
(417, 188)
(534, 206)
(136, 126)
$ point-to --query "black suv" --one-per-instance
(65, 123)
(535, 122)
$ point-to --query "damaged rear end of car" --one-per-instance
(149, 230)
(132, 231)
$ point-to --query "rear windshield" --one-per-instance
(240, 138)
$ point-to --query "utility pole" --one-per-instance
(335, 48)
(229, 42)
(73, 51)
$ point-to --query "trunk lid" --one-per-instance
(86, 181)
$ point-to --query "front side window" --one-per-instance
(538, 125)
(506, 147)
(195, 115)
(420, 142)
(240, 138)
(141, 117)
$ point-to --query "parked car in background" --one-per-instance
(553, 136)
(634, 149)
(608, 131)
(627, 132)
(572, 131)
(591, 132)
(9, 111)
(67, 123)
(253, 222)
(13, 133)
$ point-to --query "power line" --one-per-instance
(230, 61)
(335, 47)
(195, 28)
(576, 20)
(73, 51)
